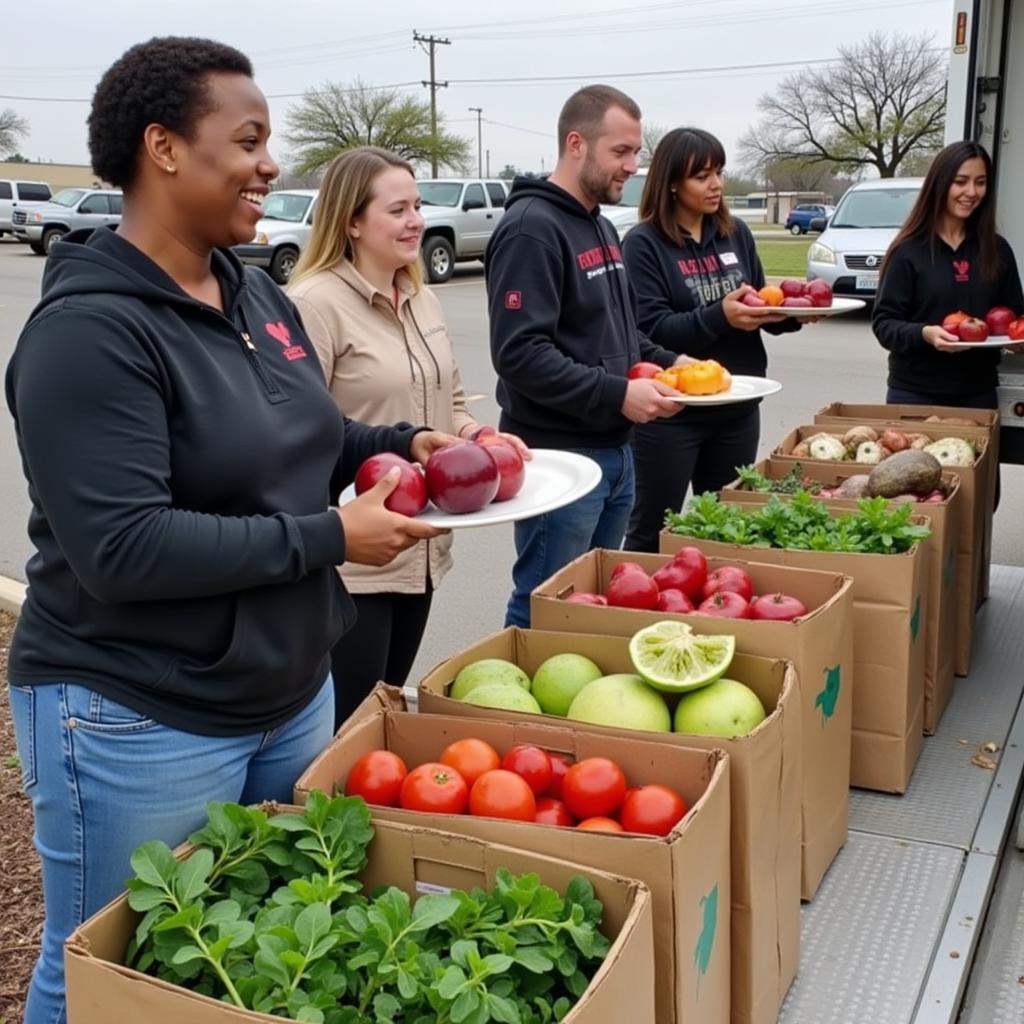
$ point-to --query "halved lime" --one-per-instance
(671, 657)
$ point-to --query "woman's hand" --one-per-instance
(426, 442)
(373, 534)
(940, 339)
(747, 318)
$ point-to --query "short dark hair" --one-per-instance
(925, 219)
(584, 111)
(682, 153)
(161, 81)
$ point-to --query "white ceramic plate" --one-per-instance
(995, 341)
(743, 390)
(839, 305)
(553, 479)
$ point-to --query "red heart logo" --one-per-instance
(280, 332)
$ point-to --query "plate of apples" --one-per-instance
(998, 328)
(800, 299)
(481, 482)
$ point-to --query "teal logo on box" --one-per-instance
(829, 696)
(706, 940)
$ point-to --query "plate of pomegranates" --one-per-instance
(799, 299)
(480, 484)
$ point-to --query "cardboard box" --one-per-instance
(687, 872)
(888, 651)
(765, 769)
(100, 989)
(911, 417)
(940, 627)
(820, 646)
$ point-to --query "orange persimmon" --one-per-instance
(772, 294)
(705, 377)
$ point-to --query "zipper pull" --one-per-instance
(248, 341)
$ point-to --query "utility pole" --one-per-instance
(488, 163)
(479, 141)
(432, 42)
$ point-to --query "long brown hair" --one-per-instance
(346, 190)
(682, 153)
(925, 219)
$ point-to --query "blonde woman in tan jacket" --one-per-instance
(387, 357)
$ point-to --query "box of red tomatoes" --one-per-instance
(413, 768)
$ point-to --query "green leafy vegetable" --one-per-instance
(268, 914)
(793, 481)
(803, 522)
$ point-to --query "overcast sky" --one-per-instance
(686, 62)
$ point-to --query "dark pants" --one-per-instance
(985, 400)
(670, 455)
(380, 647)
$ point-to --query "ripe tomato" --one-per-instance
(502, 794)
(777, 607)
(559, 766)
(695, 564)
(729, 577)
(531, 764)
(652, 810)
(639, 370)
(436, 788)
(599, 823)
(593, 786)
(553, 812)
(726, 604)
(470, 758)
(377, 777)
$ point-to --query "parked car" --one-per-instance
(15, 194)
(44, 225)
(461, 215)
(803, 217)
(855, 238)
(281, 232)
(625, 212)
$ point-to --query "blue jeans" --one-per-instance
(103, 779)
(546, 543)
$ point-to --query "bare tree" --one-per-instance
(336, 117)
(12, 130)
(882, 102)
(651, 134)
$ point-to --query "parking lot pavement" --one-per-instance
(835, 359)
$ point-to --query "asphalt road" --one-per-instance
(837, 359)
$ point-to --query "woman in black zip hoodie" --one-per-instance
(182, 455)
(946, 258)
(690, 262)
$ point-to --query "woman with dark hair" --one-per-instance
(947, 257)
(690, 262)
(182, 455)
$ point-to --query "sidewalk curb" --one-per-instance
(12, 595)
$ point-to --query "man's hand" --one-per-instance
(647, 399)
(746, 318)
(426, 442)
(373, 534)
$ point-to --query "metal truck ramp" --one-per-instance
(892, 934)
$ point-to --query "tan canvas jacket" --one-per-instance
(383, 365)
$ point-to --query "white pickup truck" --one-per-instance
(461, 215)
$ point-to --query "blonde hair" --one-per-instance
(346, 190)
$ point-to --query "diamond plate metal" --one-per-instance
(981, 710)
(995, 994)
(867, 938)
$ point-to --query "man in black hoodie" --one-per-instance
(564, 332)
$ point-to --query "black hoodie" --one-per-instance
(680, 291)
(180, 463)
(921, 284)
(563, 321)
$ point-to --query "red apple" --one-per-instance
(820, 293)
(972, 329)
(672, 600)
(999, 319)
(638, 370)
(409, 497)
(510, 465)
(798, 302)
(462, 478)
(792, 288)
(752, 299)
